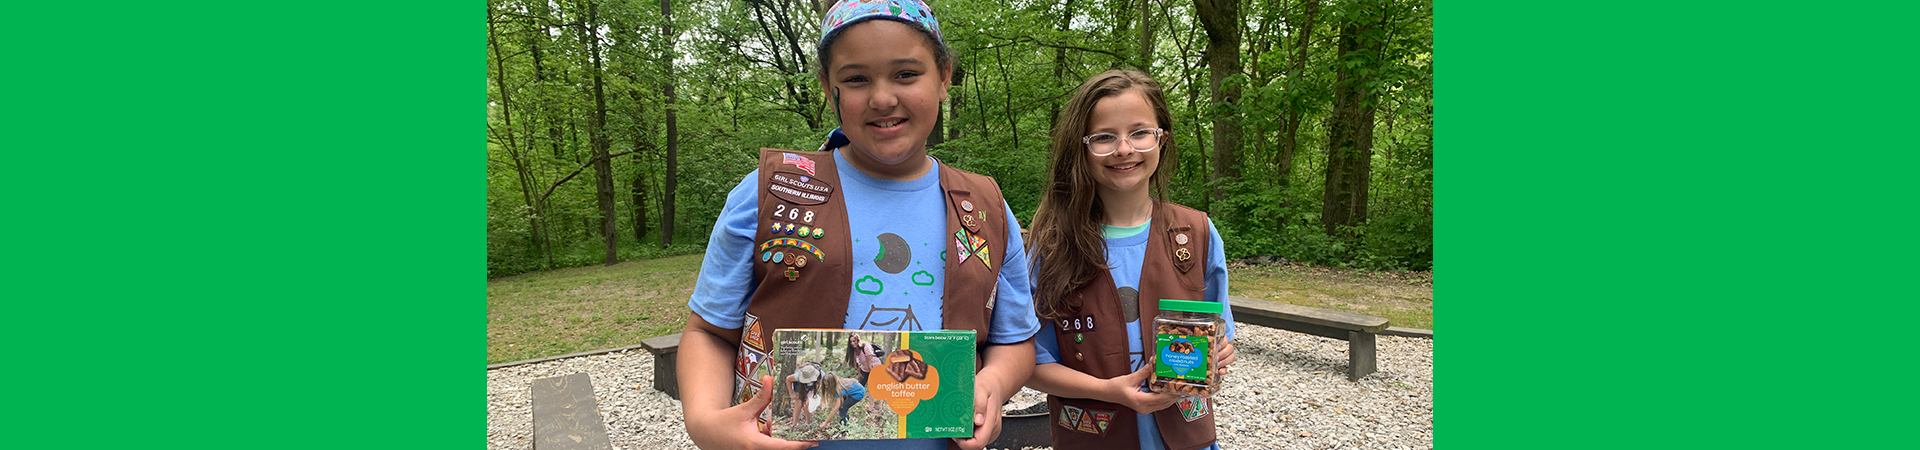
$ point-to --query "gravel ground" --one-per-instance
(1287, 390)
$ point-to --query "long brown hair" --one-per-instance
(1067, 247)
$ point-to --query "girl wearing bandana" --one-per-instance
(1107, 249)
(867, 233)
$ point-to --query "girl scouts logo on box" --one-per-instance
(907, 380)
(1181, 357)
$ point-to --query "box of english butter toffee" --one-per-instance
(855, 384)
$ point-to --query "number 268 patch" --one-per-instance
(1075, 325)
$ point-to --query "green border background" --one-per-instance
(245, 225)
(1674, 224)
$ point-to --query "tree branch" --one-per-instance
(583, 166)
(1036, 41)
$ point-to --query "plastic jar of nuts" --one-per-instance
(1183, 348)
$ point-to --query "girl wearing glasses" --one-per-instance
(1107, 247)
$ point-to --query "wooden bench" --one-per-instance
(666, 351)
(565, 416)
(1357, 329)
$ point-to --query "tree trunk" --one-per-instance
(673, 130)
(787, 39)
(1291, 108)
(510, 142)
(1006, 84)
(639, 200)
(1146, 36)
(639, 184)
(959, 97)
(1221, 18)
(939, 133)
(1350, 130)
(1060, 62)
(597, 138)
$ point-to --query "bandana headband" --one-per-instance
(849, 12)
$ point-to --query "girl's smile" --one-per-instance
(887, 88)
(1127, 171)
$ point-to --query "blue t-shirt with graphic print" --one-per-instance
(900, 242)
(1126, 251)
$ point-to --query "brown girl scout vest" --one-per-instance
(802, 255)
(1093, 339)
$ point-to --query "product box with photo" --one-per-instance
(852, 384)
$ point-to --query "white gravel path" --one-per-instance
(1287, 390)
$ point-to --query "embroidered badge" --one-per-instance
(744, 390)
(798, 161)
(799, 189)
(1084, 420)
(766, 421)
(752, 335)
(783, 213)
(749, 361)
(1075, 325)
(1193, 408)
(960, 248)
(992, 296)
(770, 244)
(970, 243)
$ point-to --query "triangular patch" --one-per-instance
(1086, 424)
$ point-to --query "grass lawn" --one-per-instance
(1404, 298)
(585, 308)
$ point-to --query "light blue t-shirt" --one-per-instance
(900, 242)
(1125, 255)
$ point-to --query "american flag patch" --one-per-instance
(798, 161)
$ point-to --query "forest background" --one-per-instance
(615, 127)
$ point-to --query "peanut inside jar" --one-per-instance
(1185, 335)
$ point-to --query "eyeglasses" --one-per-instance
(1142, 140)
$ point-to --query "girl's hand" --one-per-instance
(1125, 391)
(738, 426)
(1223, 356)
(986, 417)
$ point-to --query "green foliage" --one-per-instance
(740, 85)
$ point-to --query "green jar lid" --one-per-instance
(1189, 306)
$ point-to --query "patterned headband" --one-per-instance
(849, 12)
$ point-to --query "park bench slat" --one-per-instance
(662, 344)
(565, 416)
(1359, 330)
(1315, 316)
